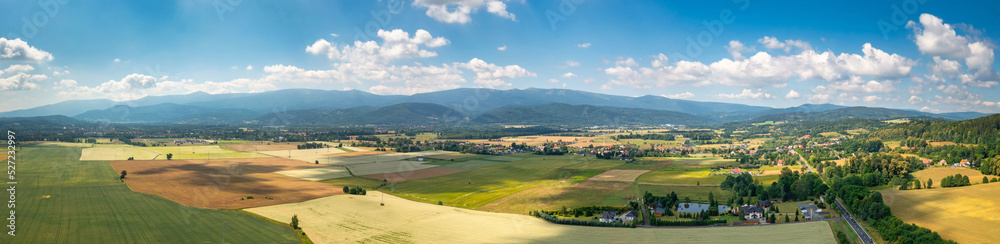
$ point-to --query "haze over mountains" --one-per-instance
(465, 105)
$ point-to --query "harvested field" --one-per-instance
(388, 167)
(361, 219)
(296, 153)
(936, 173)
(451, 156)
(199, 152)
(694, 177)
(623, 175)
(413, 175)
(264, 146)
(357, 154)
(317, 174)
(472, 164)
(963, 214)
(117, 153)
(222, 183)
(380, 158)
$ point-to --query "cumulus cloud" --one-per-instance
(787, 45)
(570, 63)
(792, 95)
(934, 37)
(685, 95)
(915, 100)
(583, 45)
(747, 94)
(459, 11)
(626, 62)
(502, 48)
(18, 78)
(19, 51)
(736, 49)
(396, 44)
(491, 75)
(857, 85)
(762, 69)
(249, 67)
(568, 75)
(135, 86)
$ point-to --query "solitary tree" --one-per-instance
(170, 156)
(930, 183)
(986, 180)
(347, 189)
(123, 175)
(295, 221)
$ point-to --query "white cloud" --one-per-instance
(249, 67)
(553, 80)
(857, 85)
(492, 75)
(762, 69)
(458, 11)
(18, 50)
(65, 84)
(396, 44)
(792, 95)
(915, 100)
(20, 81)
(502, 48)
(747, 94)
(872, 99)
(17, 68)
(588, 80)
(118, 60)
(773, 43)
(936, 38)
(583, 45)
(819, 98)
(736, 49)
(500, 9)
(929, 110)
(571, 63)
(568, 75)
(626, 62)
(685, 95)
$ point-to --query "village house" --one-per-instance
(752, 212)
(609, 216)
(628, 216)
(964, 163)
(764, 203)
(943, 162)
(927, 162)
(781, 162)
(734, 171)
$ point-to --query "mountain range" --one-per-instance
(464, 105)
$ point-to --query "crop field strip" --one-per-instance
(362, 219)
(123, 152)
(64, 200)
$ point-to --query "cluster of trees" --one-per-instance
(877, 168)
(355, 190)
(586, 211)
(869, 145)
(311, 145)
(491, 132)
(955, 181)
(554, 219)
(990, 166)
(699, 136)
(913, 142)
(650, 136)
(868, 206)
(790, 186)
(667, 201)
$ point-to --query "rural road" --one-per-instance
(865, 238)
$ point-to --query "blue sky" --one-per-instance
(933, 56)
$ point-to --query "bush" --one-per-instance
(295, 222)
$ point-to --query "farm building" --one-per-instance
(609, 216)
(752, 212)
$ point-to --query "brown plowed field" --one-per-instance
(221, 183)
(413, 175)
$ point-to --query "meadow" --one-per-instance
(362, 219)
(684, 177)
(963, 214)
(63, 200)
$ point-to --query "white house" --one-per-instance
(609, 216)
(628, 216)
(752, 211)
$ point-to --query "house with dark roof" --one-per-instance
(764, 203)
(659, 211)
(628, 216)
(752, 211)
(609, 216)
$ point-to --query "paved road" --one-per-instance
(862, 234)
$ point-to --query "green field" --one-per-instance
(472, 164)
(63, 200)
(354, 181)
(487, 184)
